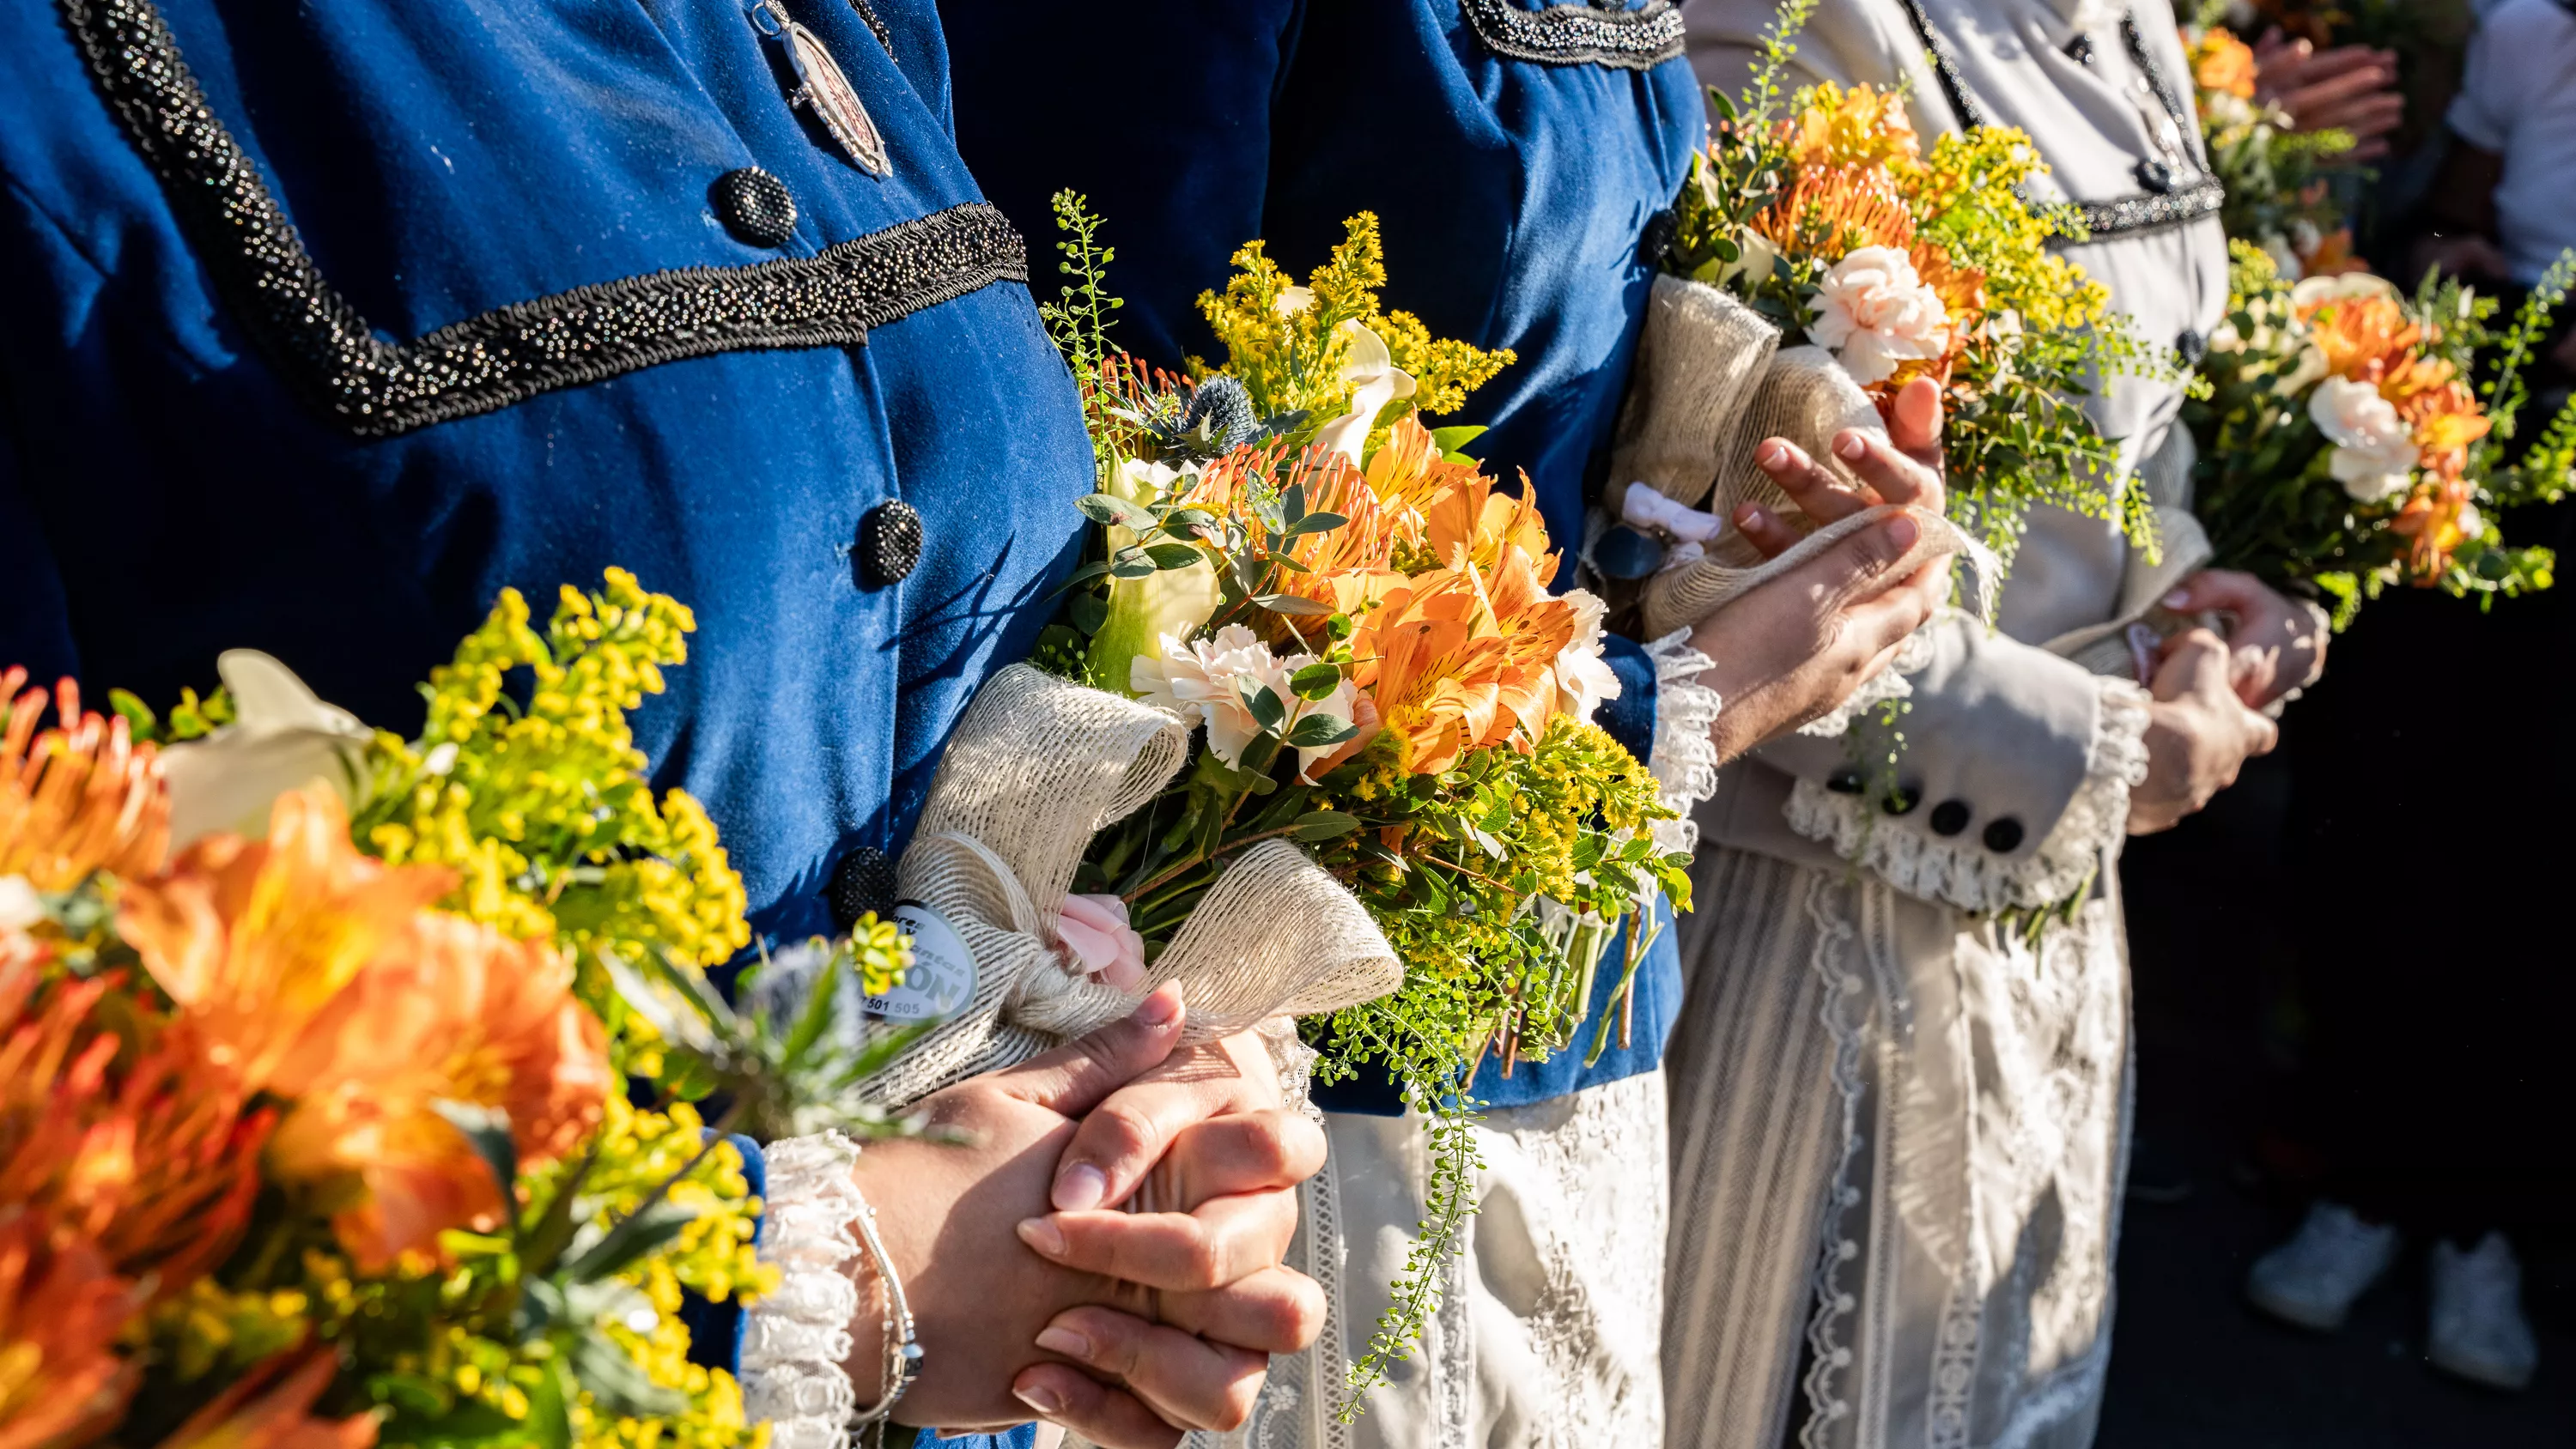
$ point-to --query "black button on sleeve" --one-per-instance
(1657, 238)
(2004, 836)
(1844, 782)
(1902, 800)
(889, 543)
(1949, 817)
(2156, 176)
(2192, 346)
(755, 206)
(862, 884)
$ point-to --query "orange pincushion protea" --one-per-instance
(78, 798)
(271, 1407)
(1832, 211)
(153, 1160)
(62, 1383)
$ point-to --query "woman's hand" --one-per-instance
(1796, 646)
(2348, 88)
(2199, 733)
(959, 1222)
(2275, 644)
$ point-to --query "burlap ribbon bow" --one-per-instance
(1711, 383)
(1037, 766)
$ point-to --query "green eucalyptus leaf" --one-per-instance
(1109, 508)
(1268, 709)
(488, 1129)
(1316, 731)
(1316, 681)
(635, 1237)
(1174, 555)
(1324, 825)
(1292, 604)
(1316, 523)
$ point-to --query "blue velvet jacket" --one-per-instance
(1516, 157)
(324, 323)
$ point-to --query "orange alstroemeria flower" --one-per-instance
(315, 974)
(457, 1013)
(78, 798)
(253, 939)
(1862, 126)
(2221, 62)
(154, 1161)
(1461, 658)
(62, 1382)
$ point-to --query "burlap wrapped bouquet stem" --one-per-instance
(1036, 767)
(1712, 382)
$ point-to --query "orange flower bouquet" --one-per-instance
(1356, 622)
(2278, 194)
(315, 1128)
(2354, 437)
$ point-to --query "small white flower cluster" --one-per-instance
(2374, 450)
(1874, 311)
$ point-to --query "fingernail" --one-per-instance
(1774, 456)
(1080, 1188)
(1750, 517)
(2177, 598)
(1159, 1008)
(1902, 531)
(1065, 1341)
(1042, 1236)
(1039, 1397)
(1850, 446)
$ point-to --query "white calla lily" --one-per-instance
(1378, 382)
(283, 737)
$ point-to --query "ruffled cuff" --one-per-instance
(1902, 852)
(1914, 655)
(797, 1339)
(1684, 758)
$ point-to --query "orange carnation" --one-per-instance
(2221, 62)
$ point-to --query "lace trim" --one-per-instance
(1294, 1061)
(1638, 39)
(797, 1339)
(1964, 874)
(329, 354)
(1846, 1004)
(1913, 656)
(1685, 758)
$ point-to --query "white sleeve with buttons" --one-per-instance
(2011, 786)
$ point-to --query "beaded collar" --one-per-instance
(372, 388)
(1639, 39)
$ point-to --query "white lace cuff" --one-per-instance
(1685, 758)
(797, 1339)
(1956, 871)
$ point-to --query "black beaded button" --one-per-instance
(889, 543)
(2192, 345)
(1661, 230)
(1844, 782)
(1949, 817)
(754, 206)
(1902, 800)
(2004, 836)
(2080, 50)
(862, 884)
(2155, 175)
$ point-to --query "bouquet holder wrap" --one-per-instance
(1713, 382)
(1038, 765)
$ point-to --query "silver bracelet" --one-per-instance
(902, 1349)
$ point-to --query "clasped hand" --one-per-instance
(1034, 1292)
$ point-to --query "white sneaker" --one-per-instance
(2313, 1279)
(2479, 1332)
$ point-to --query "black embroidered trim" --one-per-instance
(876, 27)
(2144, 212)
(1945, 67)
(1639, 39)
(2127, 215)
(375, 389)
(2145, 60)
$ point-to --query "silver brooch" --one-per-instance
(823, 89)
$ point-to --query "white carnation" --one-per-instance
(1874, 311)
(1583, 678)
(1207, 680)
(2374, 451)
